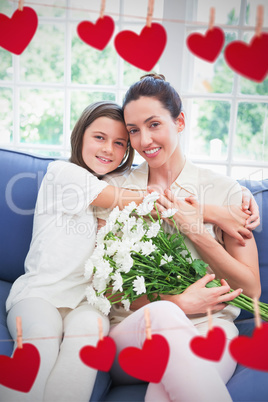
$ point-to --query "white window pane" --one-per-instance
(209, 126)
(251, 141)
(91, 66)
(6, 116)
(226, 12)
(81, 99)
(43, 59)
(90, 10)
(49, 8)
(252, 12)
(6, 69)
(137, 10)
(41, 116)
(249, 172)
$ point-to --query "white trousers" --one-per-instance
(187, 376)
(62, 376)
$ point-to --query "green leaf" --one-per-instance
(200, 267)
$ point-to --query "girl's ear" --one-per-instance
(180, 122)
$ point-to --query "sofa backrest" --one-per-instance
(20, 178)
(260, 191)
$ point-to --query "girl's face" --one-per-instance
(152, 130)
(104, 145)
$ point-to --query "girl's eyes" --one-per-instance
(100, 137)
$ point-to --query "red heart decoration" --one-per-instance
(207, 46)
(144, 50)
(249, 60)
(210, 347)
(100, 357)
(17, 32)
(19, 372)
(149, 363)
(252, 351)
(96, 35)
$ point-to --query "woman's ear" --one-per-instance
(180, 122)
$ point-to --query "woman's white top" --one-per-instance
(64, 233)
(210, 188)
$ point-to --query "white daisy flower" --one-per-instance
(145, 208)
(118, 282)
(152, 197)
(153, 230)
(91, 295)
(147, 247)
(166, 259)
(169, 213)
(126, 304)
(139, 285)
(103, 305)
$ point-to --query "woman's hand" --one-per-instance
(197, 299)
(188, 218)
(249, 204)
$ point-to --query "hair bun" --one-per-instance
(154, 76)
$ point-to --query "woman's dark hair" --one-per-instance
(155, 86)
(88, 116)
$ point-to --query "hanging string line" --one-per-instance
(178, 21)
(96, 334)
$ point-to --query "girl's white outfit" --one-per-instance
(50, 296)
(187, 377)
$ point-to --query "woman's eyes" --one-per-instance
(120, 143)
(155, 124)
(99, 137)
(152, 125)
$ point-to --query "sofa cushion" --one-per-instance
(21, 176)
(260, 191)
(6, 344)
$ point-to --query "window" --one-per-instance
(43, 91)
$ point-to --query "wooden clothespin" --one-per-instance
(21, 4)
(19, 332)
(100, 329)
(210, 323)
(147, 324)
(150, 11)
(211, 18)
(102, 8)
(259, 20)
(257, 316)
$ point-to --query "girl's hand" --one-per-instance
(231, 219)
(198, 299)
(249, 203)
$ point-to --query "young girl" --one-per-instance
(50, 296)
(154, 119)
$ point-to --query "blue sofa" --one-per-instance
(21, 175)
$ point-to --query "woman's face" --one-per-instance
(104, 145)
(152, 130)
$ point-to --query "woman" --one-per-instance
(154, 119)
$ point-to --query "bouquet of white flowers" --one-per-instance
(135, 256)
